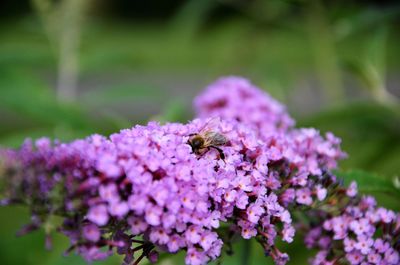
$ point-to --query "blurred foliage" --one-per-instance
(382, 188)
(370, 135)
(133, 54)
(29, 109)
(368, 182)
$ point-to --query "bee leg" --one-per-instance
(200, 153)
(208, 149)
(221, 153)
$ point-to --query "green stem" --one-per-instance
(246, 252)
(63, 24)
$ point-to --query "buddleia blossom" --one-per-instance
(237, 98)
(360, 233)
(144, 189)
(144, 186)
(307, 155)
(314, 185)
(304, 150)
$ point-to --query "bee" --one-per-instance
(207, 138)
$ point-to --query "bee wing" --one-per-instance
(214, 138)
(211, 125)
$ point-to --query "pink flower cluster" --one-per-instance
(314, 157)
(362, 234)
(147, 182)
(304, 150)
(235, 98)
(143, 190)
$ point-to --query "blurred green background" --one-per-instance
(69, 68)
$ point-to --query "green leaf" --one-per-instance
(370, 135)
(369, 182)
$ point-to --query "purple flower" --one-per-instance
(321, 192)
(320, 258)
(175, 243)
(364, 244)
(153, 215)
(352, 189)
(381, 246)
(159, 236)
(303, 196)
(247, 229)
(354, 257)
(93, 253)
(207, 240)
(153, 256)
(279, 257)
(287, 197)
(386, 215)
(374, 258)
(288, 233)
(118, 209)
(91, 232)
(254, 212)
(137, 203)
(391, 256)
(339, 226)
(312, 237)
(109, 193)
(193, 234)
(349, 244)
(98, 215)
(194, 257)
(230, 196)
(137, 225)
(360, 226)
(324, 242)
(107, 164)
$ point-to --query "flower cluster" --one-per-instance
(144, 185)
(304, 150)
(314, 185)
(144, 190)
(361, 234)
(236, 98)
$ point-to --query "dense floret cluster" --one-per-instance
(361, 234)
(144, 190)
(146, 181)
(238, 99)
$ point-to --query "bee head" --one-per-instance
(196, 142)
